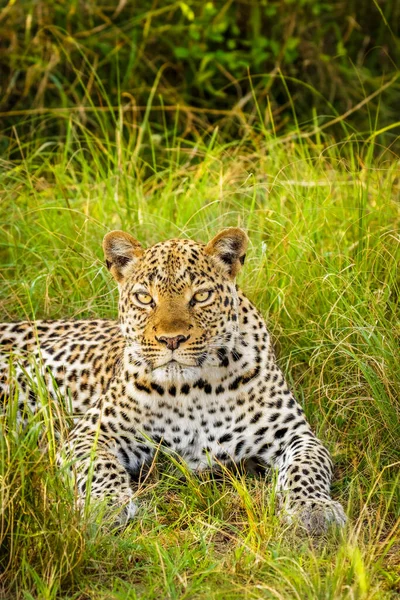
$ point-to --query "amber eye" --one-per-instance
(143, 298)
(201, 296)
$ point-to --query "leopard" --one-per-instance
(189, 367)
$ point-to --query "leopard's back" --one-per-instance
(76, 359)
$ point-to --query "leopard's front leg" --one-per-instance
(304, 477)
(304, 471)
(102, 459)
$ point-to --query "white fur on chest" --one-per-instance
(201, 427)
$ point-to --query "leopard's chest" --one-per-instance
(203, 428)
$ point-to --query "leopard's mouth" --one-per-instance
(199, 360)
(174, 371)
(173, 363)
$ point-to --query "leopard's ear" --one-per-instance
(121, 251)
(228, 249)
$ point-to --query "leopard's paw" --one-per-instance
(316, 516)
(128, 512)
(118, 509)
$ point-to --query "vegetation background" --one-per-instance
(177, 119)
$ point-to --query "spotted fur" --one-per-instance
(189, 366)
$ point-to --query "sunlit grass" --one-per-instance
(323, 222)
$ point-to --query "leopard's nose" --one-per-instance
(172, 342)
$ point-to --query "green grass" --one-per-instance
(323, 221)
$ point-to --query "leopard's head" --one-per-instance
(178, 303)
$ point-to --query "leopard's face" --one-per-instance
(178, 301)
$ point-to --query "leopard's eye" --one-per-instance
(202, 296)
(143, 298)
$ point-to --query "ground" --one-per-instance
(323, 222)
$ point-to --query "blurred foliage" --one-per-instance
(95, 53)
